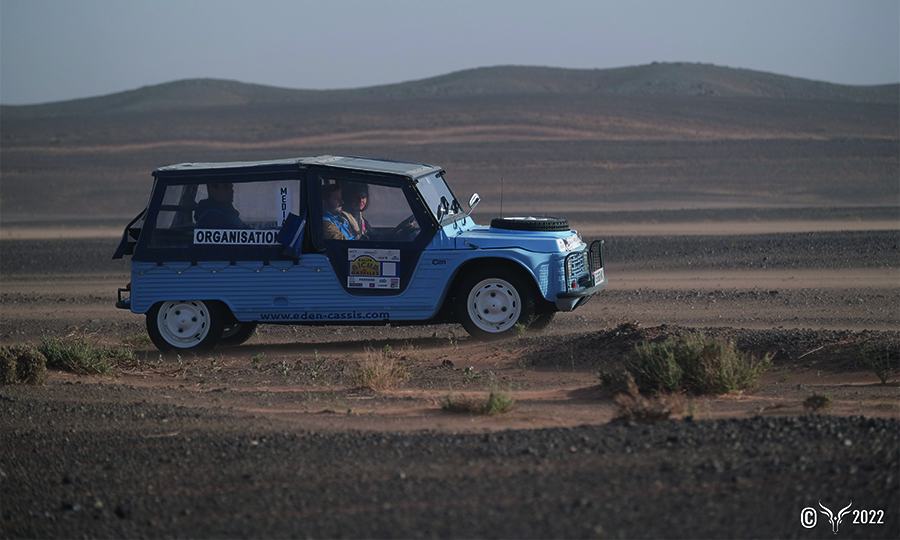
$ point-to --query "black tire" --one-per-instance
(542, 224)
(237, 333)
(541, 321)
(185, 325)
(490, 302)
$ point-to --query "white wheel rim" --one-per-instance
(183, 323)
(494, 305)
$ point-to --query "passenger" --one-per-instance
(217, 211)
(356, 201)
(334, 226)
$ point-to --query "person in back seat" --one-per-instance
(217, 211)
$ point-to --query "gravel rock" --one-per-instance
(130, 476)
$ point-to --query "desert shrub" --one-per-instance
(380, 371)
(633, 406)
(496, 403)
(8, 366)
(695, 364)
(615, 380)
(83, 357)
(878, 360)
(653, 366)
(818, 402)
(257, 359)
(22, 364)
(9, 363)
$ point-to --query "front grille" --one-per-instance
(582, 267)
(577, 275)
(577, 264)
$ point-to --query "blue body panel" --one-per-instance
(309, 291)
(280, 291)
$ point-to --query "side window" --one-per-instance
(224, 213)
(354, 210)
(247, 205)
(174, 221)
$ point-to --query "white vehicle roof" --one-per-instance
(403, 168)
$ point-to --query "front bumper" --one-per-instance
(568, 301)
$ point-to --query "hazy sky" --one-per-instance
(53, 50)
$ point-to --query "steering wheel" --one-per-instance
(404, 227)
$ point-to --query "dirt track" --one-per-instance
(220, 446)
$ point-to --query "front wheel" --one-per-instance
(185, 325)
(490, 306)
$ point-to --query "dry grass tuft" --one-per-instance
(380, 371)
(496, 403)
(634, 406)
(83, 357)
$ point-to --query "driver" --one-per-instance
(334, 225)
(356, 201)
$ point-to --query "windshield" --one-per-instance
(440, 200)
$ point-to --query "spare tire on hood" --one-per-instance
(542, 224)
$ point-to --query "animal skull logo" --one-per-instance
(835, 520)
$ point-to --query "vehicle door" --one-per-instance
(372, 227)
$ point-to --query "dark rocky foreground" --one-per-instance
(97, 469)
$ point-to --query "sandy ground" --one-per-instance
(276, 438)
(845, 293)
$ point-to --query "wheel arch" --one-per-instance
(227, 310)
(504, 263)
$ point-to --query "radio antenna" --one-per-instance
(501, 196)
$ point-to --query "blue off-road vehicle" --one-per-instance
(223, 247)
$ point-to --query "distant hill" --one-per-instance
(669, 79)
(659, 136)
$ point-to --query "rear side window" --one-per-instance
(224, 213)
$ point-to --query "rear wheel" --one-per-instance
(185, 325)
(489, 306)
(237, 333)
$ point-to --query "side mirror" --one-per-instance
(473, 202)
